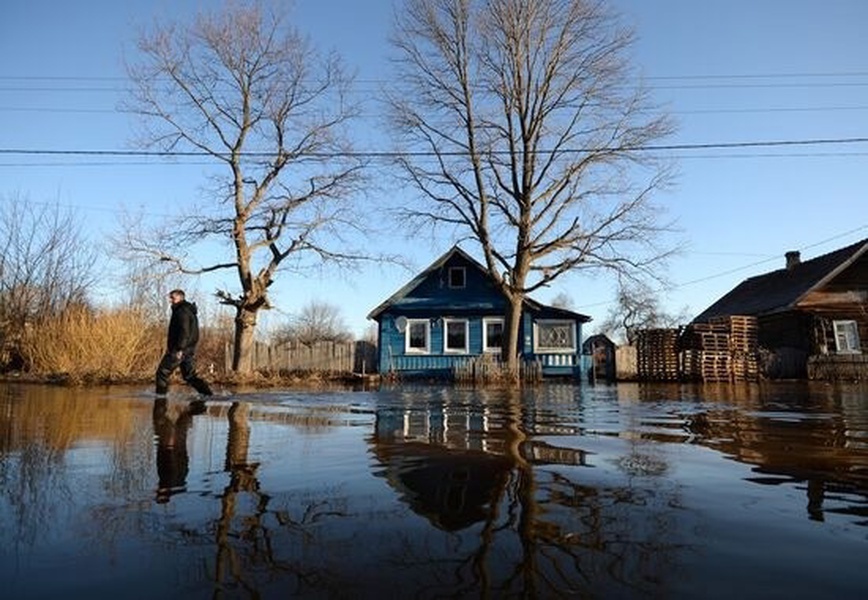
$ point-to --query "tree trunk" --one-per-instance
(512, 344)
(242, 353)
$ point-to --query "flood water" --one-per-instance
(628, 491)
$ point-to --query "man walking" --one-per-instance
(181, 346)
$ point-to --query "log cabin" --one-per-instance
(812, 315)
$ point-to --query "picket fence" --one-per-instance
(322, 357)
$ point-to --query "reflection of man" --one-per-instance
(172, 458)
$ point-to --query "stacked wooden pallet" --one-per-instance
(742, 330)
(744, 345)
(704, 351)
(745, 367)
(657, 354)
(715, 366)
(729, 347)
(723, 349)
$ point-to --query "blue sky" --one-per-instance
(733, 72)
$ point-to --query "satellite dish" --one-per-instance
(401, 323)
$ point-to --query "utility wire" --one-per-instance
(734, 270)
(766, 260)
(377, 81)
(698, 111)
(366, 90)
(423, 154)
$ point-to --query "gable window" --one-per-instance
(417, 336)
(555, 336)
(455, 336)
(847, 337)
(492, 334)
(457, 277)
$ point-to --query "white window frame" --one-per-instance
(407, 335)
(540, 349)
(446, 348)
(486, 321)
(847, 337)
(463, 271)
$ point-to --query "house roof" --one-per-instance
(402, 296)
(782, 289)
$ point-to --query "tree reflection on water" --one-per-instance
(541, 530)
(552, 491)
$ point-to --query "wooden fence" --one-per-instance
(321, 357)
(490, 369)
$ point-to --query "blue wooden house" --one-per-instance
(452, 313)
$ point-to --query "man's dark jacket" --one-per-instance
(183, 328)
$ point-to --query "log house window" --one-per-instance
(847, 337)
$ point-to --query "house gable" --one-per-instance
(438, 289)
(844, 290)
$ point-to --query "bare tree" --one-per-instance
(637, 307)
(525, 131)
(245, 90)
(316, 322)
(46, 265)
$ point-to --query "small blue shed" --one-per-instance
(452, 312)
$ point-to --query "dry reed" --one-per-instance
(81, 344)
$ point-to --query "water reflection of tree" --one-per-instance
(540, 530)
(242, 480)
(570, 531)
(249, 542)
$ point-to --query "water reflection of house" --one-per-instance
(448, 466)
(812, 316)
(818, 454)
(439, 468)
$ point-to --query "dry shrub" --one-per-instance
(81, 344)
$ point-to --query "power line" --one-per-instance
(367, 90)
(189, 163)
(676, 77)
(423, 154)
(770, 258)
(745, 155)
(700, 111)
(731, 271)
(771, 109)
(778, 75)
(49, 83)
(185, 163)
